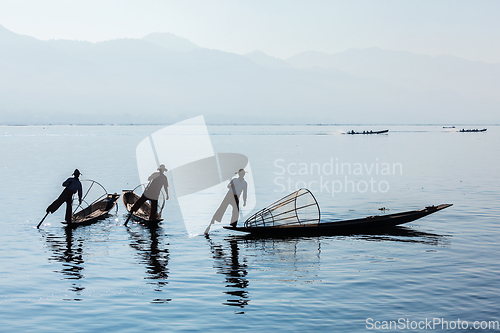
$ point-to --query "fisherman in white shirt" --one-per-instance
(236, 187)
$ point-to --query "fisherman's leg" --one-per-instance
(69, 205)
(54, 206)
(135, 207)
(138, 204)
(236, 210)
(154, 208)
(59, 201)
(222, 208)
(69, 210)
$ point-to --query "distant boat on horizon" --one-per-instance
(472, 130)
(368, 132)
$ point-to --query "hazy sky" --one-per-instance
(282, 28)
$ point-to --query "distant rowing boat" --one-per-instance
(368, 132)
(472, 130)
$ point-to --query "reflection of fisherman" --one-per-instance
(235, 186)
(157, 181)
(72, 185)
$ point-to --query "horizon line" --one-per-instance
(255, 124)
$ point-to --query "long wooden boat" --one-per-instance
(96, 211)
(129, 198)
(472, 130)
(368, 132)
(355, 226)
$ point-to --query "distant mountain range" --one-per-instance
(411, 71)
(163, 78)
(171, 42)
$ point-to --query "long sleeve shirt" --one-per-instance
(74, 185)
(156, 181)
(238, 186)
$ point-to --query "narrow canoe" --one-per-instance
(368, 132)
(472, 130)
(96, 211)
(142, 214)
(356, 226)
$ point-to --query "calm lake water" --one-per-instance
(108, 277)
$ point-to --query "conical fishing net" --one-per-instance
(299, 208)
(89, 208)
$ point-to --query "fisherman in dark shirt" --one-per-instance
(72, 185)
(157, 181)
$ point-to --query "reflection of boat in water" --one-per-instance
(394, 234)
(148, 241)
(298, 215)
(368, 132)
(403, 235)
(234, 268)
(472, 130)
(143, 213)
(69, 252)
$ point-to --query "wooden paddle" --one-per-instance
(207, 230)
(38, 226)
(128, 218)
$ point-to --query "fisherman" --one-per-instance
(236, 186)
(72, 185)
(157, 181)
